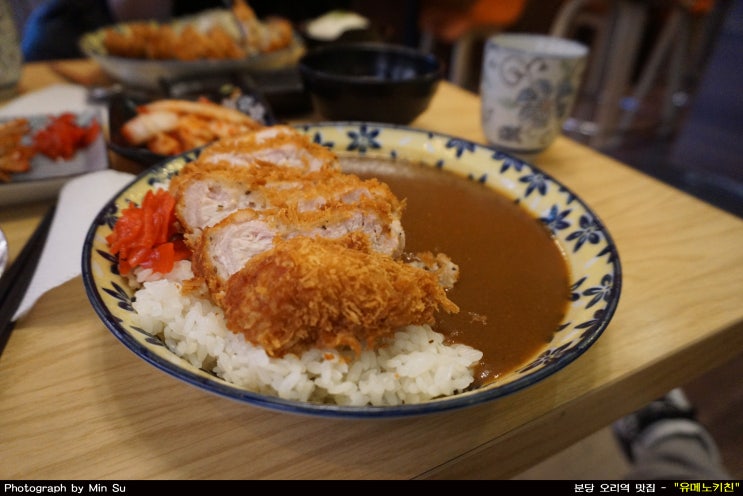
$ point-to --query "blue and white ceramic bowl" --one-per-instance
(592, 259)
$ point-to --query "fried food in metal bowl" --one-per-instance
(140, 54)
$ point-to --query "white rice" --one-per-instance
(417, 366)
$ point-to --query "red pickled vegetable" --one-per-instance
(63, 137)
(146, 235)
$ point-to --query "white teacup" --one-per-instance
(528, 89)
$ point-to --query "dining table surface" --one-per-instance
(76, 404)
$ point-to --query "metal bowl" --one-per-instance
(147, 74)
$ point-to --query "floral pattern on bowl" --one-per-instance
(590, 251)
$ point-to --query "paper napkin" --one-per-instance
(79, 202)
(51, 100)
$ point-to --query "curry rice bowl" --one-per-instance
(416, 366)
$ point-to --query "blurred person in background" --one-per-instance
(665, 441)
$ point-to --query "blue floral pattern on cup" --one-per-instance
(528, 88)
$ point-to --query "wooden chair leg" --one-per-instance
(668, 44)
(462, 59)
(613, 55)
(629, 20)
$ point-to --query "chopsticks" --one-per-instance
(15, 281)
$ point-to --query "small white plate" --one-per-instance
(47, 176)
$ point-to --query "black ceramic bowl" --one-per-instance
(232, 91)
(377, 82)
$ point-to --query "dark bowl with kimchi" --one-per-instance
(229, 92)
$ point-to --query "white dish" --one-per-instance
(53, 99)
(47, 176)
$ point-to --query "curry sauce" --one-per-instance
(513, 288)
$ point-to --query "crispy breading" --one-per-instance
(206, 195)
(222, 249)
(277, 146)
(15, 157)
(298, 253)
(200, 38)
(130, 43)
(316, 292)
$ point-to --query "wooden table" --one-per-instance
(76, 404)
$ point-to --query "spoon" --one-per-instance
(3, 251)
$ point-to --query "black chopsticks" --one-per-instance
(15, 280)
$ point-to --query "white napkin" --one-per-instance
(50, 100)
(79, 202)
